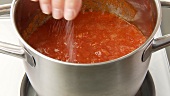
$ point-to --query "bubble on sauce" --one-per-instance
(56, 50)
(65, 43)
(40, 50)
(46, 50)
(78, 55)
(98, 53)
(105, 52)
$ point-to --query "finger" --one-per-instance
(71, 9)
(45, 6)
(57, 8)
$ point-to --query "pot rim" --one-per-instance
(158, 22)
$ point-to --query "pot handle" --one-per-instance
(17, 51)
(160, 42)
(11, 49)
(156, 45)
(165, 3)
(5, 9)
(163, 41)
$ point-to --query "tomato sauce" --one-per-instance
(92, 37)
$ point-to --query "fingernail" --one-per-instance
(69, 14)
(45, 8)
(57, 13)
(34, 0)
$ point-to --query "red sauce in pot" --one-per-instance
(93, 37)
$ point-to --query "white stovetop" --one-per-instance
(12, 70)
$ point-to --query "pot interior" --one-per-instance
(141, 13)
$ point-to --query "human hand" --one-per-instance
(61, 8)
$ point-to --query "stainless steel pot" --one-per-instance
(120, 77)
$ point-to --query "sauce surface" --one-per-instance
(92, 37)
